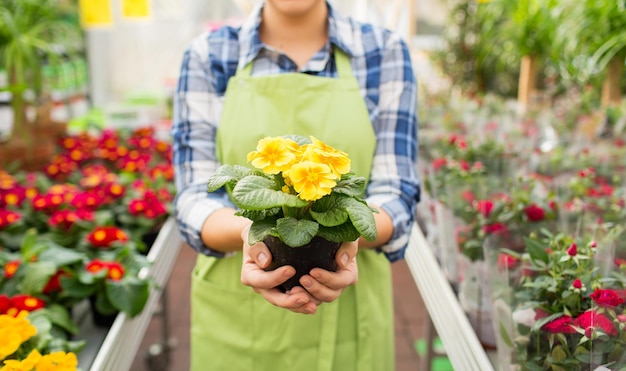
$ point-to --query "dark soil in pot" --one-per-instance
(319, 253)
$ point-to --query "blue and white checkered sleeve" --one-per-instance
(197, 107)
(394, 184)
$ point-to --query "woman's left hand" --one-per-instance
(326, 286)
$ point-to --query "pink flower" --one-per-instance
(572, 250)
(468, 196)
(484, 207)
(606, 298)
(561, 325)
(438, 163)
(535, 213)
(591, 320)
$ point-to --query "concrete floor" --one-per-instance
(410, 319)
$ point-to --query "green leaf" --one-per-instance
(37, 276)
(536, 251)
(353, 187)
(255, 215)
(128, 295)
(59, 316)
(296, 232)
(362, 218)
(60, 256)
(76, 288)
(260, 229)
(505, 336)
(330, 218)
(341, 233)
(228, 174)
(257, 193)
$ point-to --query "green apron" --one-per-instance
(235, 329)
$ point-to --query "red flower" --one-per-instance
(27, 302)
(105, 236)
(438, 163)
(114, 190)
(606, 298)
(65, 219)
(115, 271)
(5, 304)
(494, 228)
(620, 262)
(468, 196)
(577, 284)
(8, 217)
(95, 266)
(561, 325)
(572, 250)
(14, 196)
(591, 320)
(484, 207)
(54, 283)
(166, 171)
(10, 268)
(507, 261)
(535, 213)
(136, 207)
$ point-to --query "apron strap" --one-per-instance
(342, 63)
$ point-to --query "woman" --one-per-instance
(294, 67)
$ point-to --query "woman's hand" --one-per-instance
(325, 286)
(321, 285)
(255, 259)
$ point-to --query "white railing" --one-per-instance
(459, 338)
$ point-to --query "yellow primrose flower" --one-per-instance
(58, 361)
(322, 153)
(311, 180)
(27, 364)
(273, 155)
(14, 331)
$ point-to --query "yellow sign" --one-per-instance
(95, 13)
(136, 8)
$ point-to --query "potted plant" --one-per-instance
(29, 31)
(303, 199)
(561, 307)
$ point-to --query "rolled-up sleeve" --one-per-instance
(394, 184)
(197, 106)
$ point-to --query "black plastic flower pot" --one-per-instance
(319, 253)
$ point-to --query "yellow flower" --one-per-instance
(311, 180)
(273, 155)
(58, 361)
(13, 332)
(322, 153)
(26, 364)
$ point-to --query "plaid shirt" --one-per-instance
(381, 64)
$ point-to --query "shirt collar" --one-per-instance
(340, 34)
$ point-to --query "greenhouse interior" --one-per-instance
(489, 218)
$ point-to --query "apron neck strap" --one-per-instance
(342, 63)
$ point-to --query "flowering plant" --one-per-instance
(27, 345)
(304, 188)
(75, 230)
(568, 309)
